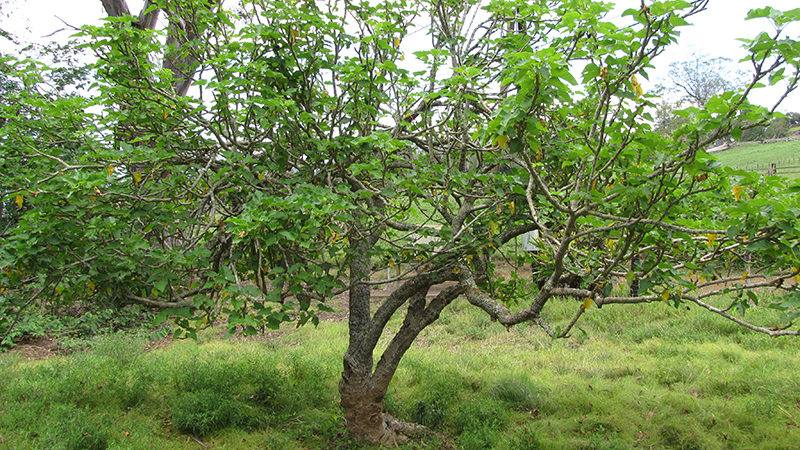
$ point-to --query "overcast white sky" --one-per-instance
(714, 31)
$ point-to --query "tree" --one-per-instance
(701, 77)
(778, 128)
(23, 91)
(694, 81)
(665, 121)
(3, 33)
(307, 154)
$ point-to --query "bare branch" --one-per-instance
(770, 331)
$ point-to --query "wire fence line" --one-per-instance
(785, 167)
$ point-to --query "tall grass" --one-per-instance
(648, 376)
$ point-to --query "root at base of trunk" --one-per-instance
(398, 431)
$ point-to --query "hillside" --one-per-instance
(756, 156)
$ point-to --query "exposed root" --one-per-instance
(398, 431)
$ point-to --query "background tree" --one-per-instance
(310, 156)
(693, 82)
(778, 128)
(3, 15)
(665, 121)
(701, 77)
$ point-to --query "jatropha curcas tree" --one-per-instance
(252, 161)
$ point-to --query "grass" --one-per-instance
(753, 155)
(647, 376)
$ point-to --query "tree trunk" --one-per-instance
(362, 402)
(183, 66)
(363, 408)
(364, 384)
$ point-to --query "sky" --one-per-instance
(713, 32)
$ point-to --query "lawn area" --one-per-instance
(647, 376)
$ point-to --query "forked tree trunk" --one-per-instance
(364, 384)
(183, 67)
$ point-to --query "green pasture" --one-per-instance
(648, 376)
(753, 155)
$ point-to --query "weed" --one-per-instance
(478, 412)
(390, 404)
(323, 422)
(74, 325)
(430, 412)
(722, 386)
(603, 441)
(270, 389)
(203, 411)
(478, 438)
(519, 392)
(210, 371)
(280, 442)
(671, 371)
(673, 436)
(134, 393)
(71, 428)
(670, 391)
(525, 439)
(308, 377)
(254, 417)
(761, 406)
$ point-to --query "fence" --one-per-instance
(789, 167)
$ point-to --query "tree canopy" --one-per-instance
(251, 161)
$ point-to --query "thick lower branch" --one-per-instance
(418, 285)
(484, 301)
(417, 318)
(158, 303)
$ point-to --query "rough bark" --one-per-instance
(363, 408)
(362, 389)
(116, 8)
(182, 63)
(362, 403)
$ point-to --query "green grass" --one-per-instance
(751, 155)
(646, 376)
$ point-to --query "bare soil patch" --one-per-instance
(35, 349)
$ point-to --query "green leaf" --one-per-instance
(732, 231)
(760, 12)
